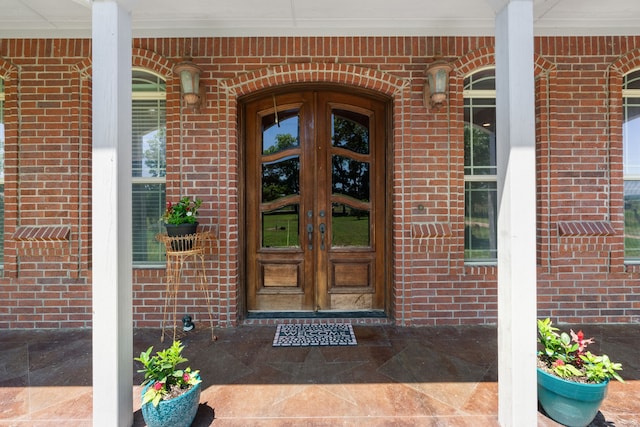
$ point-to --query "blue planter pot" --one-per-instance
(567, 402)
(177, 412)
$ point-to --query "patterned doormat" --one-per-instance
(316, 334)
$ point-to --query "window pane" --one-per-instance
(480, 137)
(148, 205)
(631, 169)
(149, 138)
(632, 80)
(481, 80)
(480, 242)
(632, 220)
(631, 137)
(2, 223)
(148, 148)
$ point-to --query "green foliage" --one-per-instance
(565, 355)
(185, 211)
(161, 373)
(600, 368)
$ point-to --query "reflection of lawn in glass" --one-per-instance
(155, 250)
(478, 242)
(350, 231)
(281, 231)
(632, 229)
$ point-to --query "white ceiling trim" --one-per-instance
(204, 18)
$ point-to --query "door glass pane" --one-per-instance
(350, 175)
(281, 133)
(350, 178)
(350, 131)
(280, 227)
(350, 226)
(280, 178)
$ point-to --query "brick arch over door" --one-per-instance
(396, 88)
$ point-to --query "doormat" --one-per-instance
(315, 334)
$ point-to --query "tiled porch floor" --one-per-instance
(442, 376)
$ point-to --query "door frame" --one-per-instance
(389, 285)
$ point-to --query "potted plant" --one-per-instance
(572, 382)
(170, 396)
(181, 219)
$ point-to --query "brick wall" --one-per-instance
(582, 275)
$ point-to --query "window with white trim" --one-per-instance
(631, 165)
(480, 173)
(148, 143)
(1, 171)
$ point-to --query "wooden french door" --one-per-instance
(315, 202)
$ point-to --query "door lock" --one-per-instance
(310, 236)
(322, 230)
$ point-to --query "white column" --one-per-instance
(111, 207)
(517, 390)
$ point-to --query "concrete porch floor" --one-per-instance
(432, 376)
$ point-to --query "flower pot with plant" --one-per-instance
(170, 396)
(572, 382)
(181, 219)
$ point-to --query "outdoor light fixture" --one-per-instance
(189, 82)
(435, 90)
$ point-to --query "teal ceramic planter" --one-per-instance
(177, 412)
(567, 402)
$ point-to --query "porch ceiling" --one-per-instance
(190, 18)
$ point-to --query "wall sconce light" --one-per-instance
(189, 82)
(435, 90)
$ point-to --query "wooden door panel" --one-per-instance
(281, 275)
(349, 275)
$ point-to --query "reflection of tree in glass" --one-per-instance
(350, 177)
(281, 177)
(350, 134)
(478, 150)
(155, 157)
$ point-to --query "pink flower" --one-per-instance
(579, 339)
(158, 386)
(185, 377)
(558, 362)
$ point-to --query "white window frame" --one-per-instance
(149, 96)
(479, 94)
(628, 93)
(2, 114)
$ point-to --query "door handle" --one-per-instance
(322, 230)
(310, 236)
